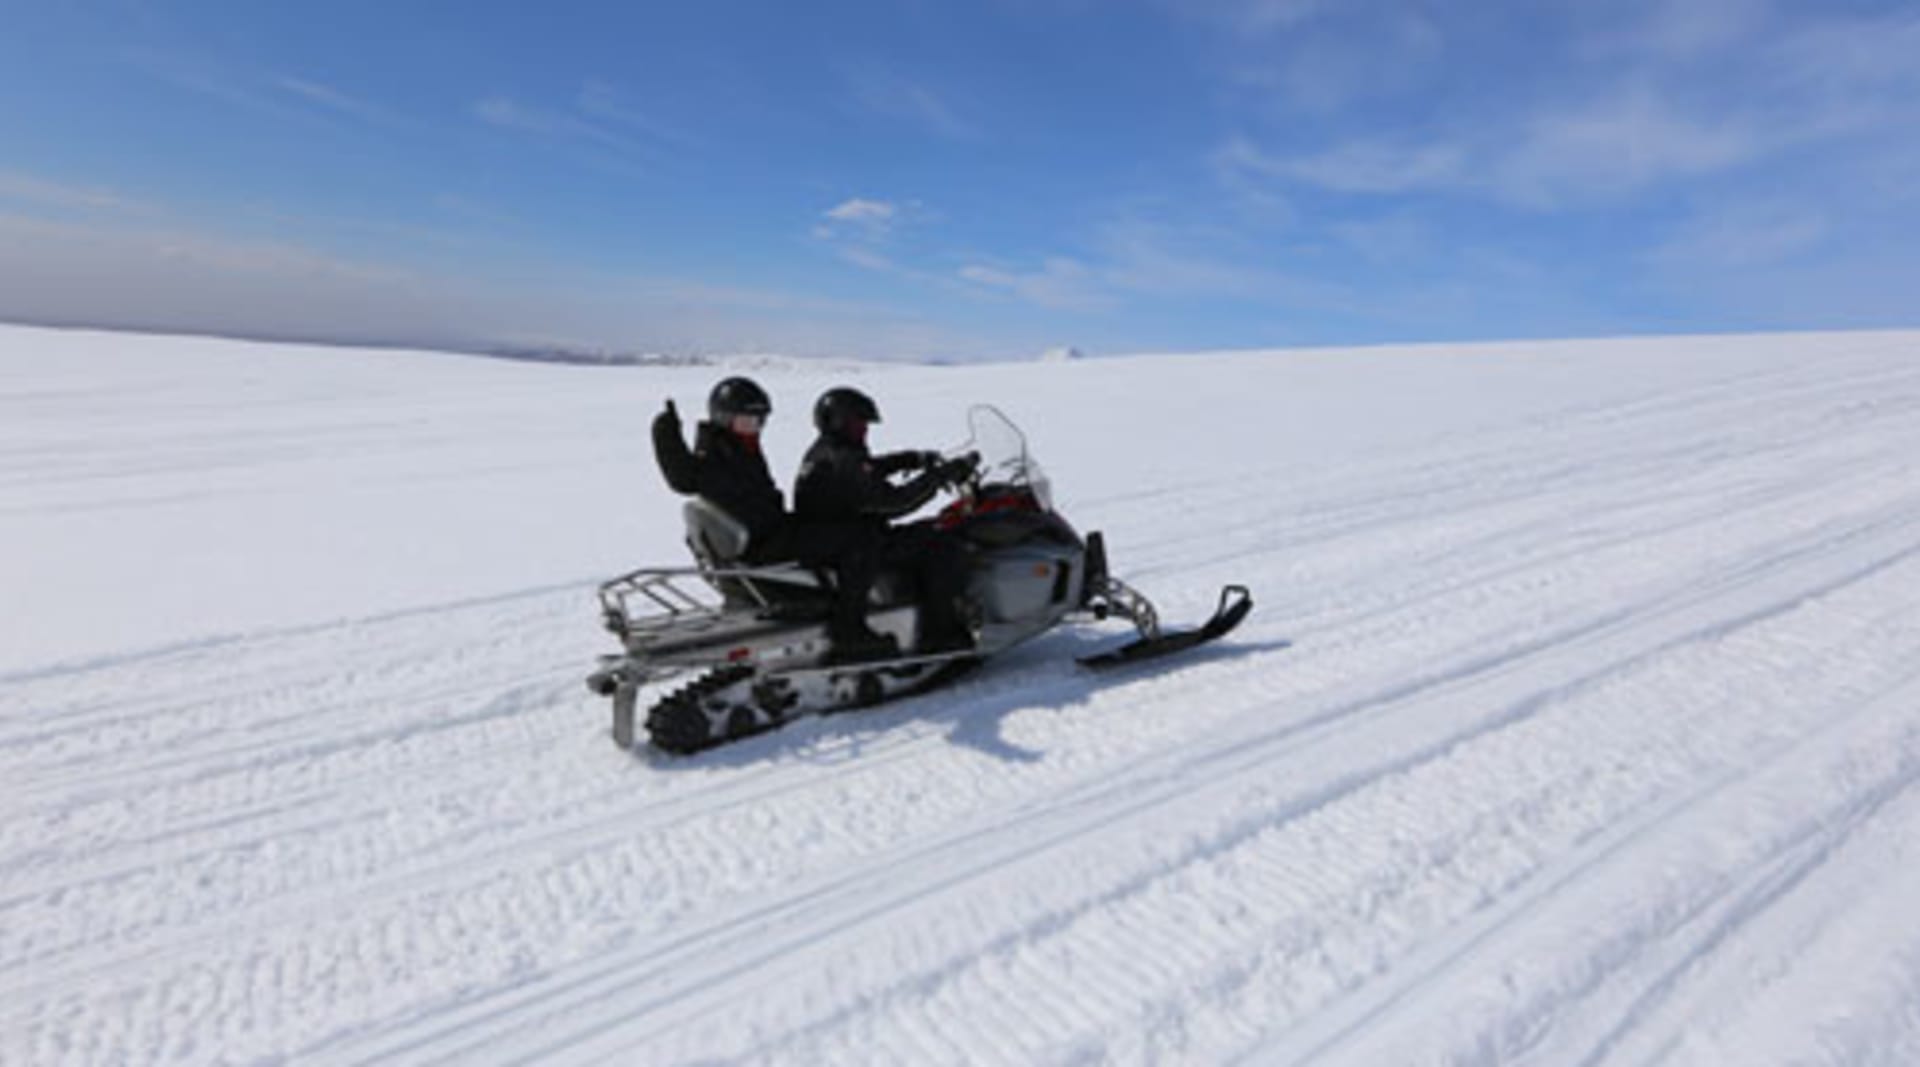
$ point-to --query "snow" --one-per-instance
(1578, 721)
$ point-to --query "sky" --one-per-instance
(959, 180)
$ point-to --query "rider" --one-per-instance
(842, 482)
(728, 469)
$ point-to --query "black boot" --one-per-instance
(945, 631)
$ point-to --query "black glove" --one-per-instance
(957, 470)
(894, 462)
(668, 420)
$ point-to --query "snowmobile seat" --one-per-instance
(717, 538)
(719, 542)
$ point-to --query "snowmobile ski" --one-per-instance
(1235, 603)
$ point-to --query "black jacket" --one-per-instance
(841, 481)
(724, 469)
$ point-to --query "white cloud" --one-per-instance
(602, 101)
(252, 88)
(1604, 148)
(1685, 30)
(1789, 262)
(26, 189)
(1061, 284)
(1393, 239)
(1206, 262)
(990, 276)
(868, 258)
(187, 280)
(335, 100)
(1129, 257)
(1849, 76)
(1639, 96)
(1370, 166)
(863, 212)
(895, 97)
(1617, 145)
(1330, 65)
(1252, 16)
(860, 231)
(1744, 235)
(507, 113)
(203, 76)
(172, 278)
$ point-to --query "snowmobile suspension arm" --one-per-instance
(1115, 597)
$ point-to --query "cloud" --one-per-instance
(204, 77)
(1689, 28)
(1597, 150)
(1208, 262)
(1847, 77)
(1617, 145)
(334, 100)
(865, 233)
(1668, 31)
(1395, 240)
(895, 97)
(1772, 261)
(1599, 105)
(1061, 284)
(1366, 166)
(1330, 64)
(603, 101)
(28, 190)
(860, 230)
(506, 113)
(1256, 17)
(171, 278)
(1122, 259)
(509, 114)
(1744, 235)
(875, 213)
(174, 278)
(93, 257)
(278, 95)
(1131, 260)
(870, 259)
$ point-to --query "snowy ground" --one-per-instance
(1596, 739)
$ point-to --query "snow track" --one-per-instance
(1586, 731)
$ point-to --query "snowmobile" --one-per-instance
(756, 636)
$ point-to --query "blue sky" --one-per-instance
(961, 179)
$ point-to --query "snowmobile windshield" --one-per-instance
(1004, 459)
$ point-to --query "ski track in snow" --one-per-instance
(1584, 737)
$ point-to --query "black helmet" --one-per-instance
(837, 409)
(737, 396)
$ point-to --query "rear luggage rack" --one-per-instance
(647, 602)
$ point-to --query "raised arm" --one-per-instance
(677, 464)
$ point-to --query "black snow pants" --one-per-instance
(851, 550)
(932, 561)
(936, 563)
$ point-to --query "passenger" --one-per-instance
(727, 468)
(841, 482)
